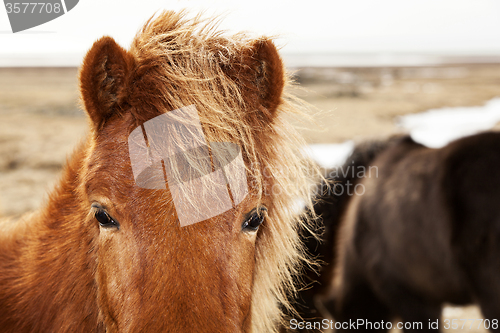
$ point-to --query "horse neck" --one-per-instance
(47, 263)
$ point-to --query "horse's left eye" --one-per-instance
(254, 219)
(105, 220)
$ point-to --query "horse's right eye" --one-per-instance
(105, 220)
(254, 219)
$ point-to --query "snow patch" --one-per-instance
(437, 127)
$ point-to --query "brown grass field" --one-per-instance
(41, 119)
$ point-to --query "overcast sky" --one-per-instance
(470, 27)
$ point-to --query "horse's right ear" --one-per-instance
(103, 79)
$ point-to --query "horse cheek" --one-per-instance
(118, 294)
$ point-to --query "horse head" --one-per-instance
(190, 178)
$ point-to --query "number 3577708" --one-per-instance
(33, 7)
(470, 324)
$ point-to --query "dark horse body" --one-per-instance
(426, 231)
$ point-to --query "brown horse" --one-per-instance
(105, 254)
(425, 231)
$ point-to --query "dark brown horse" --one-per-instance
(424, 231)
(111, 251)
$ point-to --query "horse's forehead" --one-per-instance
(171, 154)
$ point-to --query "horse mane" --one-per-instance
(180, 61)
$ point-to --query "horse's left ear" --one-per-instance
(103, 79)
(270, 74)
(261, 77)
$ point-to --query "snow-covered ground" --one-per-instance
(434, 128)
(437, 127)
